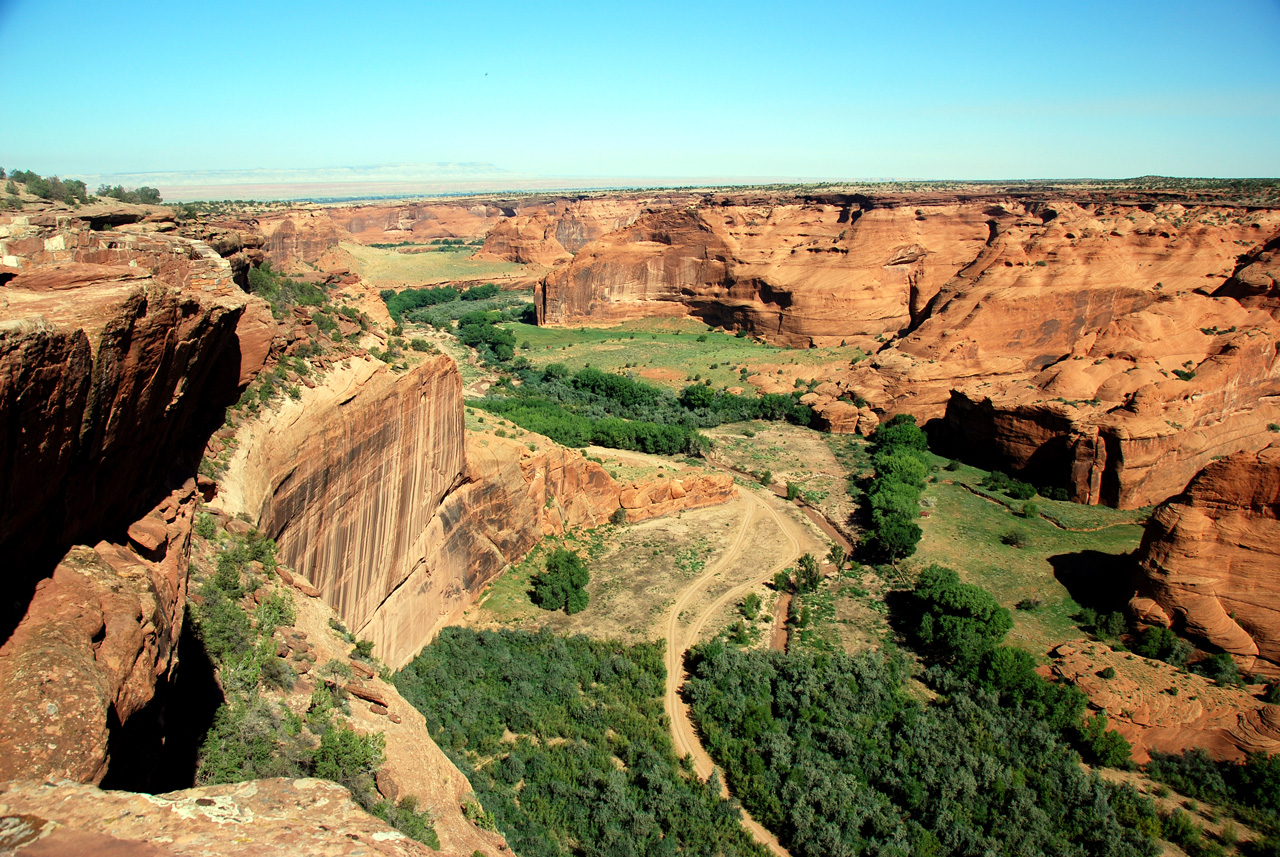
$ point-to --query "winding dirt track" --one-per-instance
(682, 729)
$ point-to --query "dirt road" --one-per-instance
(678, 641)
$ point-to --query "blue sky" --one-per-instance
(816, 90)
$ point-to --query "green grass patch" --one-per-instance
(670, 352)
(387, 267)
(507, 599)
(964, 531)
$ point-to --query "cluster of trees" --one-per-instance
(958, 627)
(562, 586)
(805, 577)
(252, 736)
(398, 303)
(424, 305)
(141, 196)
(598, 393)
(607, 409)
(479, 330)
(567, 428)
(283, 291)
(894, 493)
(591, 768)
(69, 191)
(1016, 489)
(832, 754)
(1250, 789)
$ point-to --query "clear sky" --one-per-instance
(848, 89)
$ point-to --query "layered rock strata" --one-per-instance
(1158, 707)
(375, 497)
(97, 637)
(1209, 564)
(799, 272)
(118, 353)
(539, 230)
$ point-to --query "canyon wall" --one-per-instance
(798, 272)
(1113, 349)
(541, 230)
(373, 494)
(118, 352)
(1210, 560)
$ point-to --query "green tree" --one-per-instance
(959, 623)
(892, 537)
(561, 585)
(901, 431)
(808, 574)
(1105, 746)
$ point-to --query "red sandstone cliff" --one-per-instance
(799, 272)
(539, 230)
(1109, 348)
(1210, 559)
(119, 351)
(374, 494)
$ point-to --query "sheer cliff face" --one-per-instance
(543, 231)
(115, 370)
(375, 495)
(799, 273)
(1210, 559)
(994, 278)
(350, 481)
(118, 353)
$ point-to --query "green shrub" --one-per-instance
(1014, 538)
(1104, 746)
(1163, 644)
(206, 526)
(1221, 668)
(405, 817)
(363, 650)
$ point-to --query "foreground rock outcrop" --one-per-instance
(98, 637)
(253, 819)
(1210, 560)
(118, 352)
